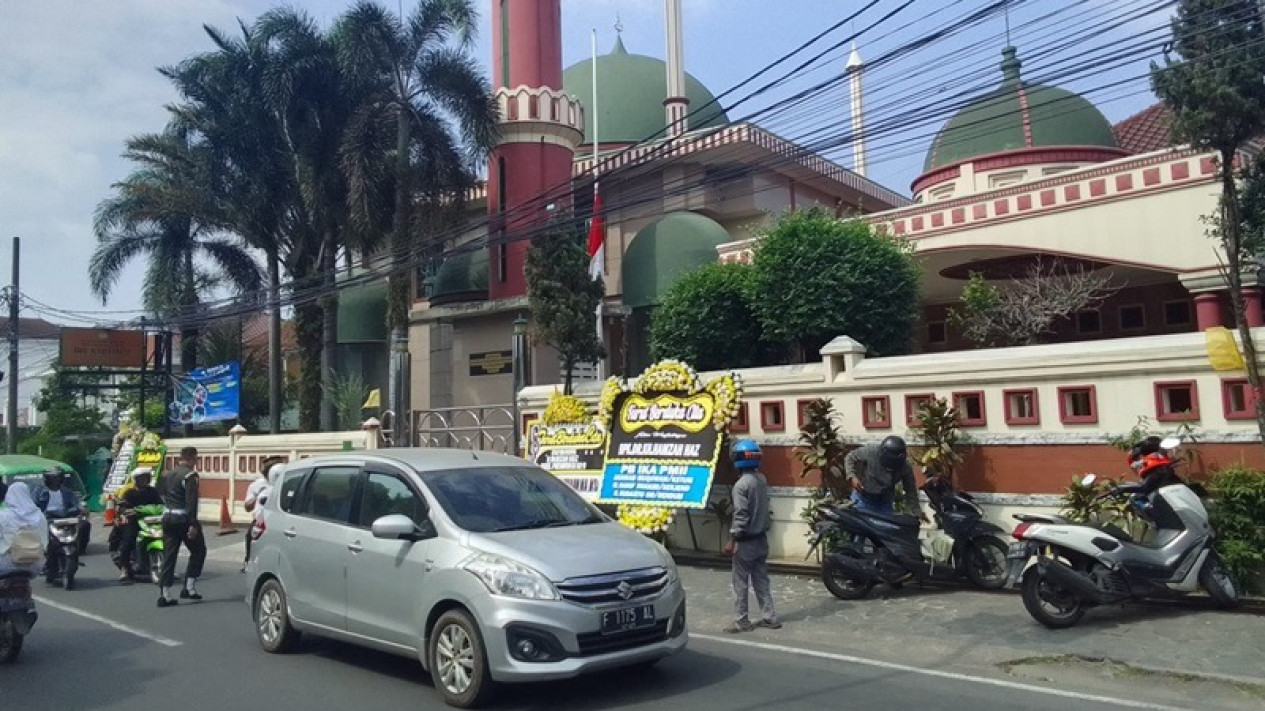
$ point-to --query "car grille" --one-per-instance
(592, 643)
(628, 586)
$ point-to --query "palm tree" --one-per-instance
(154, 214)
(427, 119)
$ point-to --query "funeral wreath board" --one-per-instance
(567, 443)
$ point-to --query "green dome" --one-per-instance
(1017, 115)
(663, 251)
(362, 313)
(463, 277)
(631, 89)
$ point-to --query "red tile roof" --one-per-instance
(33, 328)
(1145, 131)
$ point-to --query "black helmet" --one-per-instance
(54, 477)
(892, 452)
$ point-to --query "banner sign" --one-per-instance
(573, 453)
(662, 450)
(207, 395)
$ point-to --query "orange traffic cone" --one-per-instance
(226, 521)
(110, 512)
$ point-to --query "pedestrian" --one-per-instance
(874, 471)
(181, 527)
(749, 539)
(257, 495)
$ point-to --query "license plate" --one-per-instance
(1018, 550)
(629, 618)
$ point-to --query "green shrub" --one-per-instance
(1238, 516)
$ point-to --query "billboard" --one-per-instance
(206, 395)
(102, 348)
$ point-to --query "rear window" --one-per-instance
(290, 485)
(489, 499)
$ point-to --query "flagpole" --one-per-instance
(601, 335)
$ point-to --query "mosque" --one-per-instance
(1026, 171)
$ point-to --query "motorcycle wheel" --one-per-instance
(72, 567)
(1216, 581)
(1036, 590)
(10, 641)
(986, 563)
(155, 566)
(843, 584)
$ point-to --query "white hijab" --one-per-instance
(20, 510)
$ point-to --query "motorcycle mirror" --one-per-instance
(1089, 479)
(1170, 443)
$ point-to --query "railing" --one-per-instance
(487, 427)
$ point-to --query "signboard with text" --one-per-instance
(573, 453)
(491, 363)
(662, 450)
(102, 347)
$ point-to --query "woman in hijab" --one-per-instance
(20, 513)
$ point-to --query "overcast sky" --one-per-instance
(77, 78)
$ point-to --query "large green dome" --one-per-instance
(1015, 116)
(663, 251)
(463, 277)
(631, 89)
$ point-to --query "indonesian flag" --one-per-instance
(597, 237)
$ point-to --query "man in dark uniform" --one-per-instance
(180, 526)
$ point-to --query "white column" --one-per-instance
(854, 70)
(675, 103)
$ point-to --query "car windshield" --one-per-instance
(491, 499)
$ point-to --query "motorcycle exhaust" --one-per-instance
(1079, 584)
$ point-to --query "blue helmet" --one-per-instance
(745, 454)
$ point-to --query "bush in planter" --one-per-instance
(1238, 516)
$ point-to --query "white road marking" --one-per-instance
(108, 622)
(940, 674)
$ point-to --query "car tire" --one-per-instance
(272, 619)
(459, 661)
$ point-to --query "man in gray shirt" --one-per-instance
(874, 471)
(749, 540)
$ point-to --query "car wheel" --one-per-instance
(458, 662)
(272, 619)
(10, 641)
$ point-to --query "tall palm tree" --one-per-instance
(427, 119)
(155, 214)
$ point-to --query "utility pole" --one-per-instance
(11, 414)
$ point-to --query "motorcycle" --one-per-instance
(1080, 565)
(147, 559)
(63, 551)
(17, 613)
(868, 548)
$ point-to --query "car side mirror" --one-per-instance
(398, 527)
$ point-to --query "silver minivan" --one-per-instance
(484, 567)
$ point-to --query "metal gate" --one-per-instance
(483, 427)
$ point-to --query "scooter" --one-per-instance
(148, 559)
(17, 613)
(63, 551)
(1079, 566)
(868, 548)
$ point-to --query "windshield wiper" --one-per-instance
(538, 523)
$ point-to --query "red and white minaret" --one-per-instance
(540, 129)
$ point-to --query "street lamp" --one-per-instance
(518, 356)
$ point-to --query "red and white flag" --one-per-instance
(597, 238)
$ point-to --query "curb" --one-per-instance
(701, 559)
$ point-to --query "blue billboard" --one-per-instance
(206, 395)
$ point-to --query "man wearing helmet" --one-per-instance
(749, 540)
(141, 493)
(57, 501)
(874, 471)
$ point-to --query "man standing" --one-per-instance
(874, 471)
(181, 527)
(257, 495)
(749, 540)
(141, 493)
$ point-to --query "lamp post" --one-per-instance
(518, 356)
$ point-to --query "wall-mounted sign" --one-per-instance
(662, 450)
(100, 347)
(491, 363)
(207, 395)
(573, 453)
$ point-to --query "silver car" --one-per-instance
(484, 567)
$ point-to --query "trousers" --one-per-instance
(176, 534)
(751, 572)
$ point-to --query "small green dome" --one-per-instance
(463, 277)
(630, 93)
(663, 251)
(362, 313)
(1015, 116)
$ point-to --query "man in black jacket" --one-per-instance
(141, 494)
(180, 526)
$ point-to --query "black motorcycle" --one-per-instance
(62, 563)
(17, 613)
(866, 548)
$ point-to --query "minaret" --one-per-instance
(677, 105)
(854, 69)
(540, 127)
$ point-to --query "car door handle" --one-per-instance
(355, 547)
(290, 533)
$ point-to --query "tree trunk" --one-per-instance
(1232, 244)
(188, 334)
(329, 334)
(274, 343)
(399, 282)
(307, 324)
(569, 365)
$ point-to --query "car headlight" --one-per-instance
(507, 577)
(668, 562)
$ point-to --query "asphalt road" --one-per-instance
(106, 646)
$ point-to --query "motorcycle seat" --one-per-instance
(16, 574)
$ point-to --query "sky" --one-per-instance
(77, 78)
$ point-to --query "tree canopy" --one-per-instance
(708, 319)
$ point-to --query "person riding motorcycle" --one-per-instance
(141, 493)
(58, 501)
(1154, 467)
(874, 471)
